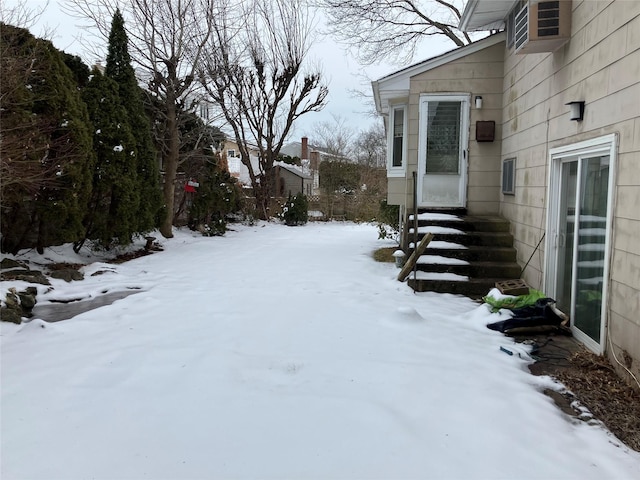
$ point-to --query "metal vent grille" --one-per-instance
(548, 19)
(522, 27)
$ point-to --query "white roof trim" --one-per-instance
(482, 15)
(397, 84)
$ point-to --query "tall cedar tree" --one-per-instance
(119, 69)
(46, 150)
(112, 215)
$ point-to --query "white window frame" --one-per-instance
(401, 170)
(231, 153)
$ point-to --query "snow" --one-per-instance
(281, 352)
(444, 276)
(439, 244)
(436, 216)
(436, 229)
(440, 260)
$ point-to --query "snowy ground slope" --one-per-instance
(279, 352)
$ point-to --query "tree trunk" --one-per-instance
(170, 170)
(263, 192)
(262, 203)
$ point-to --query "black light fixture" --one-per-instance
(576, 111)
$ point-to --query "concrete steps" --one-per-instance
(467, 255)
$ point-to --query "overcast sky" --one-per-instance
(341, 70)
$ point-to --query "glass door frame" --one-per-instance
(465, 102)
(606, 145)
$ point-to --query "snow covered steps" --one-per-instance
(467, 255)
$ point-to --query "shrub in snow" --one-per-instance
(388, 221)
(295, 211)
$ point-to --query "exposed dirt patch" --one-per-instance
(592, 382)
(125, 257)
(385, 254)
(151, 247)
(64, 266)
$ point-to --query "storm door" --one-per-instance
(442, 150)
(578, 252)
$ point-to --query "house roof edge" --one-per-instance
(401, 78)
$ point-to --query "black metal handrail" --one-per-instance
(415, 218)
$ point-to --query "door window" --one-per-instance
(443, 137)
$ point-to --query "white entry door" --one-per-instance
(578, 242)
(442, 150)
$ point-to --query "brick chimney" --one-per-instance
(315, 160)
(304, 149)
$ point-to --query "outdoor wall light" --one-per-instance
(478, 102)
(576, 111)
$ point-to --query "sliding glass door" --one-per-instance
(578, 245)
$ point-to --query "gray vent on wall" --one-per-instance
(542, 26)
(548, 19)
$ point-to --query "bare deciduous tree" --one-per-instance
(254, 72)
(388, 30)
(371, 146)
(21, 14)
(167, 41)
(334, 137)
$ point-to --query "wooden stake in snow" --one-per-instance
(408, 266)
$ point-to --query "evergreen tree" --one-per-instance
(113, 209)
(217, 195)
(81, 72)
(46, 147)
(120, 70)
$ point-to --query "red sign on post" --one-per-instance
(191, 185)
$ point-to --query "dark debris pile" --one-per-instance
(596, 385)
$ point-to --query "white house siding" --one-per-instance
(601, 66)
(478, 73)
(397, 190)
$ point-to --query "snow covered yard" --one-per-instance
(278, 352)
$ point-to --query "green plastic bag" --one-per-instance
(514, 302)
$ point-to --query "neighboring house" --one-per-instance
(561, 161)
(291, 180)
(288, 179)
(311, 157)
(231, 154)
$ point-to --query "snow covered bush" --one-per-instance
(295, 211)
(388, 221)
